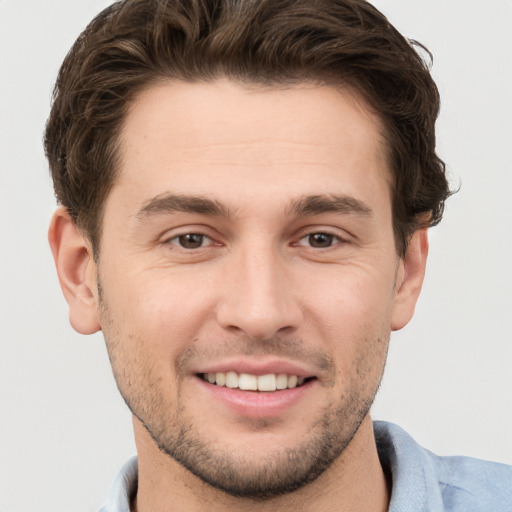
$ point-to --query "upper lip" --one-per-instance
(258, 367)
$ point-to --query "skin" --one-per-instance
(279, 277)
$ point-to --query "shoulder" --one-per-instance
(445, 484)
(481, 484)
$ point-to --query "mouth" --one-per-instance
(269, 383)
(258, 390)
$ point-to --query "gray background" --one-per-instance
(63, 429)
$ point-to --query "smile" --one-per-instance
(249, 382)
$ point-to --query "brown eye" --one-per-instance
(191, 240)
(320, 240)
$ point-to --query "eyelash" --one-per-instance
(330, 238)
(177, 240)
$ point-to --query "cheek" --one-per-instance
(349, 300)
(352, 315)
(156, 297)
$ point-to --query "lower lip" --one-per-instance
(257, 404)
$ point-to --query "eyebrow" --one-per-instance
(306, 205)
(170, 203)
(318, 204)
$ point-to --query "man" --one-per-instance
(245, 193)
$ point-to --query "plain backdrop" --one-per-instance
(64, 431)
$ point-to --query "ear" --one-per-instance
(76, 270)
(410, 276)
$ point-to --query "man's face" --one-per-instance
(248, 241)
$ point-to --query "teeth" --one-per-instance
(248, 382)
(267, 382)
(292, 381)
(232, 380)
(282, 381)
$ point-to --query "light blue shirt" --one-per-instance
(422, 481)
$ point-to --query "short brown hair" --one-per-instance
(134, 43)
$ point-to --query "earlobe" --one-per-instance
(76, 270)
(410, 279)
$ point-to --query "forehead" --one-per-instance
(210, 136)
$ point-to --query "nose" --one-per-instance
(258, 297)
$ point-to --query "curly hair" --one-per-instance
(349, 43)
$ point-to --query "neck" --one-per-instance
(355, 482)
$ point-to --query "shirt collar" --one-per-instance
(414, 471)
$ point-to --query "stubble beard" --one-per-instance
(284, 471)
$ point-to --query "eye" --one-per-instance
(319, 240)
(191, 241)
